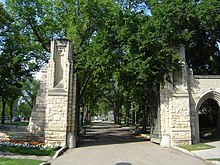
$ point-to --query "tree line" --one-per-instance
(123, 49)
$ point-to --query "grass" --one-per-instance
(8, 161)
(28, 151)
(22, 123)
(214, 159)
(146, 134)
(199, 146)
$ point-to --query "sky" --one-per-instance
(2, 1)
(38, 75)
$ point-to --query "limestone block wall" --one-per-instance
(203, 84)
(203, 87)
(37, 119)
(180, 103)
(175, 107)
(55, 110)
(175, 117)
(56, 119)
(180, 123)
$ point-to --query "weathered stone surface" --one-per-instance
(55, 105)
(180, 103)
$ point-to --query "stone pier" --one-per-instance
(180, 101)
(54, 115)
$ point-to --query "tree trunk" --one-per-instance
(11, 110)
(218, 123)
(77, 122)
(115, 117)
(116, 114)
(133, 118)
(4, 101)
(144, 120)
(82, 117)
(87, 115)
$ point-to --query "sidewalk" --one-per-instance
(206, 154)
(210, 153)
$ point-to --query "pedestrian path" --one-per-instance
(209, 153)
(106, 144)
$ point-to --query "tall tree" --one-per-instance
(16, 61)
(194, 24)
(13, 94)
(134, 43)
(29, 91)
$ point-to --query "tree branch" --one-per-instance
(82, 90)
(38, 37)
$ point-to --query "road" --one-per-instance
(106, 144)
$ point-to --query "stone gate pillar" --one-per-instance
(59, 111)
(175, 107)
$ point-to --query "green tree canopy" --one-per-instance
(133, 43)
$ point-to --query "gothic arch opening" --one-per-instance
(208, 116)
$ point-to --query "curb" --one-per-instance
(145, 136)
(60, 152)
(213, 162)
(194, 155)
(57, 154)
(184, 151)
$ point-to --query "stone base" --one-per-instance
(165, 141)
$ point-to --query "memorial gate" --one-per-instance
(55, 115)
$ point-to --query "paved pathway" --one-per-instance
(210, 153)
(106, 144)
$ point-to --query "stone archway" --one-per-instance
(180, 102)
(208, 95)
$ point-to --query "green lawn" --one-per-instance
(214, 159)
(8, 161)
(28, 151)
(199, 146)
(22, 123)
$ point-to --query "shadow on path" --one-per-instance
(106, 134)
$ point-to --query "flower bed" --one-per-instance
(28, 148)
(17, 143)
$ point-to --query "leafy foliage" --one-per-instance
(17, 61)
(122, 49)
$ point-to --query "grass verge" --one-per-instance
(195, 147)
(28, 151)
(9, 161)
(22, 123)
(214, 159)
